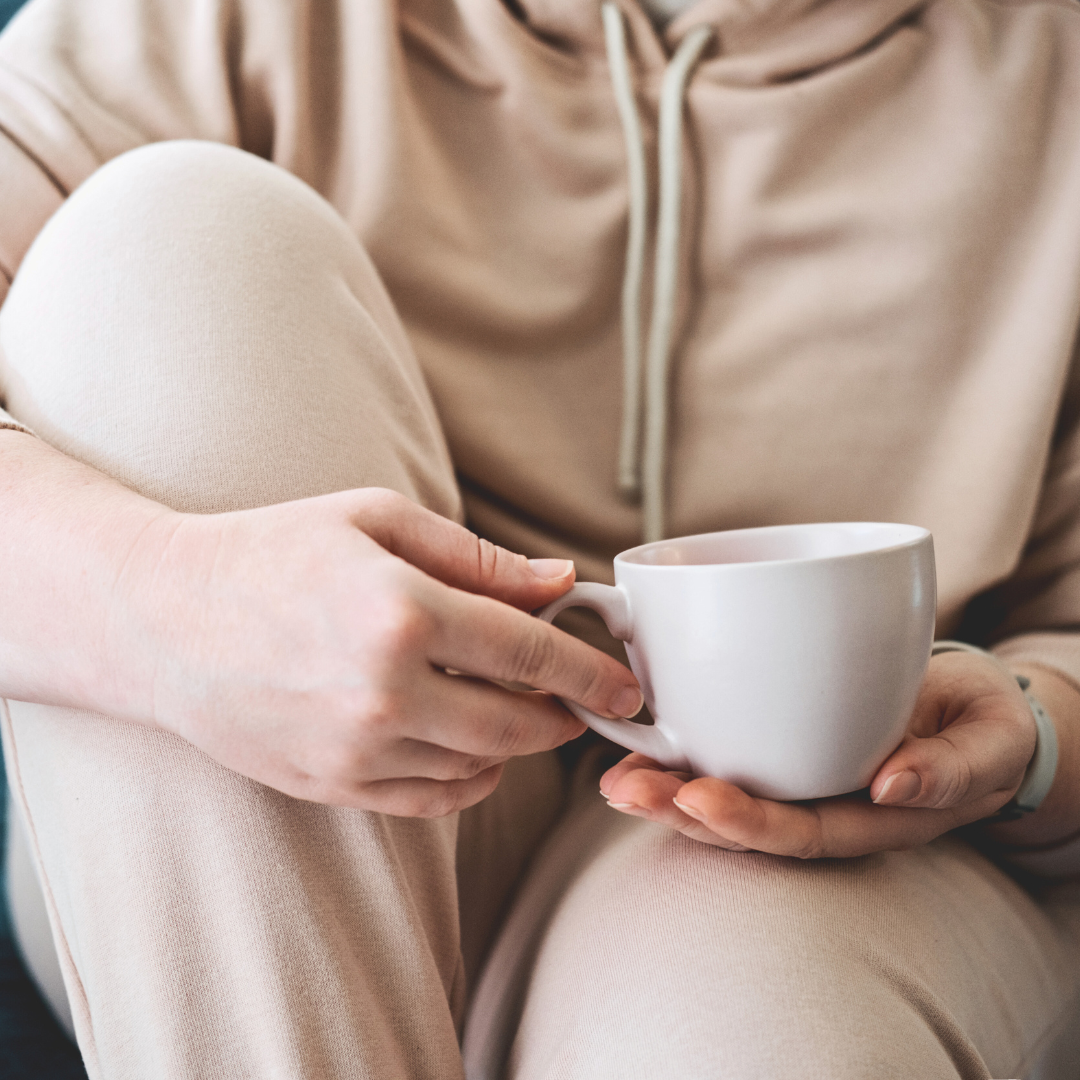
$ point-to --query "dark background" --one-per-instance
(7, 9)
(32, 1045)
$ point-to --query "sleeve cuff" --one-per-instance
(8, 422)
(1061, 652)
(1059, 863)
(1057, 650)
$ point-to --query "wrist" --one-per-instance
(1058, 815)
(142, 610)
(1041, 768)
(66, 536)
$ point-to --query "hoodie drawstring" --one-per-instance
(629, 448)
(643, 469)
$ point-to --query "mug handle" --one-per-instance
(613, 606)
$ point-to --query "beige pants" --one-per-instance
(202, 326)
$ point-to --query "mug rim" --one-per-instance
(921, 534)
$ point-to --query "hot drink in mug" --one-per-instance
(784, 659)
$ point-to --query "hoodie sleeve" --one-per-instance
(1034, 616)
(29, 196)
(82, 83)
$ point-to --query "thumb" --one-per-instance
(454, 555)
(923, 772)
(960, 765)
(980, 735)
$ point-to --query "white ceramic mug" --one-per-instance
(784, 659)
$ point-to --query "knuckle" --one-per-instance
(594, 686)
(341, 765)
(494, 563)
(379, 710)
(413, 806)
(809, 848)
(408, 801)
(444, 800)
(1022, 726)
(461, 767)
(533, 655)
(467, 793)
(488, 562)
(813, 840)
(349, 791)
(508, 737)
(401, 628)
(331, 774)
(381, 503)
(952, 787)
(474, 765)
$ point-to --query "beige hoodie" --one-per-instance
(879, 273)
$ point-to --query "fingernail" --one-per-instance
(695, 814)
(551, 569)
(623, 806)
(627, 702)
(602, 795)
(900, 788)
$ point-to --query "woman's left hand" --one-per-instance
(968, 744)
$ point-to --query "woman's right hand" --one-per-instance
(340, 649)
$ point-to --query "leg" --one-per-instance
(665, 958)
(203, 327)
(206, 329)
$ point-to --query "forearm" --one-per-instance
(1059, 814)
(66, 535)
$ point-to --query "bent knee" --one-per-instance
(163, 208)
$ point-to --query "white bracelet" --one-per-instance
(1039, 776)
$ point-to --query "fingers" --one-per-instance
(483, 637)
(831, 828)
(480, 627)
(718, 813)
(444, 728)
(943, 771)
(423, 797)
(629, 764)
(643, 789)
(427, 760)
(712, 811)
(477, 719)
(431, 762)
(983, 735)
(453, 554)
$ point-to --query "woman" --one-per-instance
(235, 723)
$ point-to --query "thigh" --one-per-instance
(203, 327)
(658, 956)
